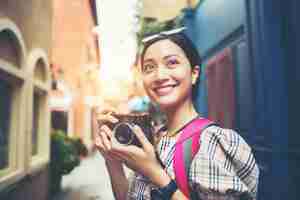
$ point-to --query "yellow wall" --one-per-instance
(21, 58)
(33, 18)
(74, 51)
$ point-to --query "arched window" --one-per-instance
(39, 113)
(12, 100)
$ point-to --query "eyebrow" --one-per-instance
(172, 55)
(164, 58)
(149, 60)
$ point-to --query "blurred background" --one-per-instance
(60, 59)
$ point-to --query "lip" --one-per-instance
(164, 89)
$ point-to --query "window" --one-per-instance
(39, 123)
(12, 88)
(35, 124)
(39, 120)
(21, 152)
(226, 93)
(220, 82)
(5, 120)
(11, 135)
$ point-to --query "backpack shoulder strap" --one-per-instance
(186, 148)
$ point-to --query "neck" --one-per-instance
(181, 115)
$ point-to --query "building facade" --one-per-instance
(25, 82)
(75, 66)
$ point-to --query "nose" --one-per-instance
(162, 72)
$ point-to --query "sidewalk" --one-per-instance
(88, 181)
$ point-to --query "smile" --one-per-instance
(165, 89)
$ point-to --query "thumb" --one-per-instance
(141, 137)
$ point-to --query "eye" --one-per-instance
(148, 68)
(172, 61)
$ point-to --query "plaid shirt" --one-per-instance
(223, 169)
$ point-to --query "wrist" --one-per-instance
(161, 178)
(113, 164)
(165, 192)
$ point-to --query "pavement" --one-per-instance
(88, 181)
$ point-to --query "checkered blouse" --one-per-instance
(223, 169)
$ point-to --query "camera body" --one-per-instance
(123, 132)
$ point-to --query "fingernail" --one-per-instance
(97, 141)
(115, 120)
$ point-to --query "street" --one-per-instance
(88, 181)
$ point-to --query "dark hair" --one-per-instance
(188, 48)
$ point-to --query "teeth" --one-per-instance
(164, 90)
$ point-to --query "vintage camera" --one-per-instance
(123, 131)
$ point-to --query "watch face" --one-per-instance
(156, 195)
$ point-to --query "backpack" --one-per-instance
(185, 149)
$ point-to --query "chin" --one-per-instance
(166, 103)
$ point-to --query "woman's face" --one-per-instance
(167, 74)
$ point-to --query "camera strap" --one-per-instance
(186, 148)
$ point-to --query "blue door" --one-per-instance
(262, 36)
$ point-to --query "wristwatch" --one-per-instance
(164, 193)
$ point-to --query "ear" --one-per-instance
(195, 74)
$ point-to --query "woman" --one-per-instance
(223, 168)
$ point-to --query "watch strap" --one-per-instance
(166, 192)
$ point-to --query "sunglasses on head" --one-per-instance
(163, 33)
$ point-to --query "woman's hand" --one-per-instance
(102, 138)
(102, 134)
(142, 160)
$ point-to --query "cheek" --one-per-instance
(147, 87)
(183, 74)
(146, 84)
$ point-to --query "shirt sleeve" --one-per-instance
(224, 167)
(139, 187)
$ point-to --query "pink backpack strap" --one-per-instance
(186, 148)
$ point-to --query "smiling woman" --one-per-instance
(176, 166)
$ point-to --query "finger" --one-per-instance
(105, 140)
(128, 152)
(106, 118)
(99, 143)
(107, 130)
(124, 157)
(127, 159)
(104, 109)
(95, 127)
(141, 137)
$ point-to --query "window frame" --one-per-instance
(20, 74)
(14, 74)
(42, 87)
(14, 110)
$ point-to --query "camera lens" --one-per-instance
(123, 133)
